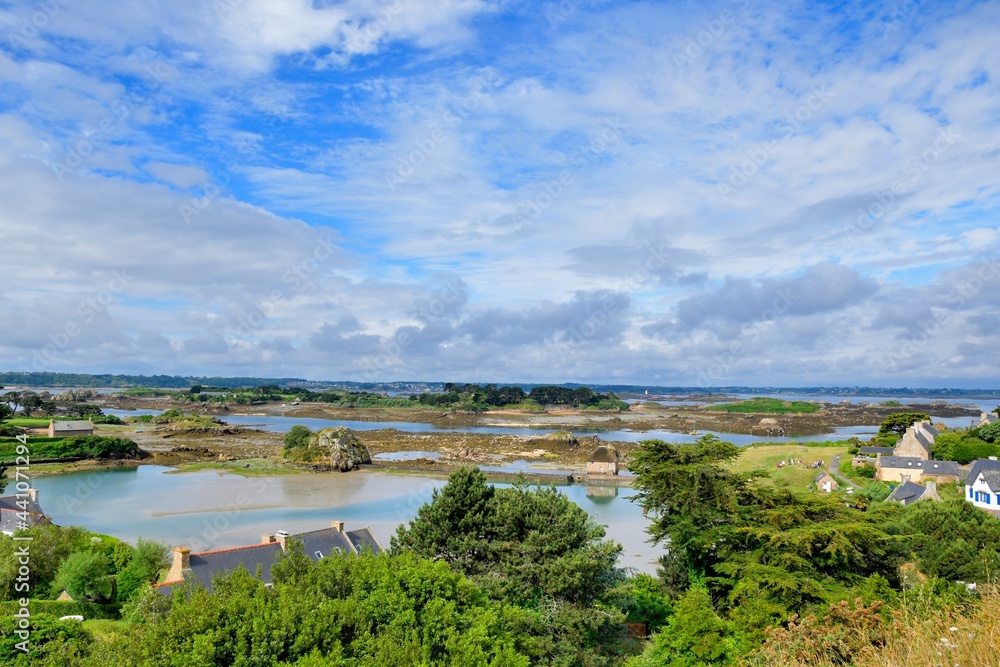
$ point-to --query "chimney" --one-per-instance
(33, 494)
(267, 539)
(337, 525)
(182, 564)
(993, 458)
(931, 487)
(903, 479)
(281, 537)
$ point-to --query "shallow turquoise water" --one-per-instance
(210, 510)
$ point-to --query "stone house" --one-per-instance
(316, 544)
(908, 493)
(894, 468)
(603, 461)
(17, 513)
(987, 418)
(826, 483)
(61, 429)
(917, 441)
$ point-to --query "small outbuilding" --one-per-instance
(826, 483)
(603, 461)
(62, 429)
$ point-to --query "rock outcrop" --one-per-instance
(341, 449)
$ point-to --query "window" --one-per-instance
(319, 554)
(970, 492)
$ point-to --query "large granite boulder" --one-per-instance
(341, 448)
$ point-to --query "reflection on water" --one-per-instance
(210, 510)
(602, 495)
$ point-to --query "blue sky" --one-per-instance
(663, 193)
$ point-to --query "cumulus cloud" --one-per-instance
(466, 189)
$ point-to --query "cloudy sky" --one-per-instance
(686, 193)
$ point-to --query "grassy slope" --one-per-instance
(766, 457)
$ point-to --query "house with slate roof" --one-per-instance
(908, 493)
(982, 486)
(987, 418)
(825, 482)
(20, 512)
(894, 468)
(62, 428)
(317, 544)
(603, 461)
(917, 441)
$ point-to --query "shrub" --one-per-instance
(298, 437)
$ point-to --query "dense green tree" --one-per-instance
(532, 547)
(370, 610)
(970, 449)
(953, 540)
(50, 545)
(85, 575)
(142, 569)
(695, 636)
(898, 423)
(297, 437)
(752, 540)
(52, 643)
(990, 432)
(688, 493)
(5, 412)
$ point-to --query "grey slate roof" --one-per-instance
(316, 544)
(924, 442)
(363, 539)
(11, 515)
(907, 493)
(978, 466)
(821, 476)
(878, 450)
(927, 467)
(206, 565)
(992, 479)
(85, 425)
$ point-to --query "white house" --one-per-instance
(982, 486)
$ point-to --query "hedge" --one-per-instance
(60, 608)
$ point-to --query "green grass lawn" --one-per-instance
(243, 467)
(772, 406)
(29, 422)
(767, 457)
